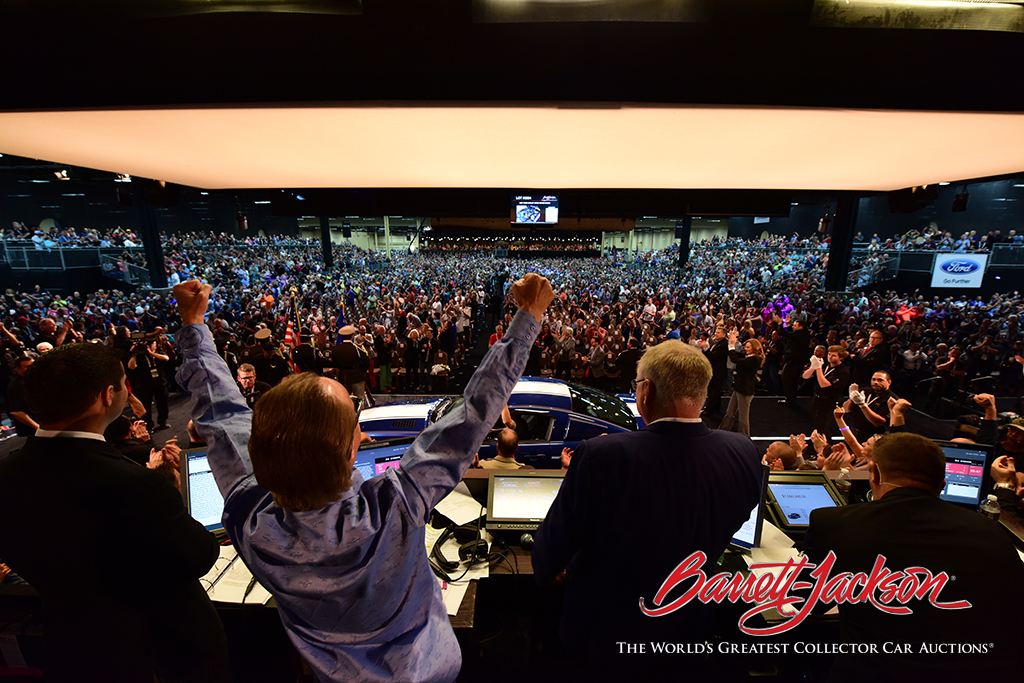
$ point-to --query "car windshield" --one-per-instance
(601, 405)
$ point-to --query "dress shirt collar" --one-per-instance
(685, 420)
(68, 434)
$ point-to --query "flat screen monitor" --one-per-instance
(749, 535)
(373, 459)
(967, 466)
(518, 500)
(534, 209)
(793, 495)
(199, 489)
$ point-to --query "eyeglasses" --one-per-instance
(635, 382)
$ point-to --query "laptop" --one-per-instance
(792, 496)
(199, 490)
(967, 467)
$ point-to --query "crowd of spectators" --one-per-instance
(275, 309)
(933, 239)
(413, 321)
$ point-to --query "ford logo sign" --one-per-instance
(959, 267)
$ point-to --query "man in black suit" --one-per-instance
(107, 543)
(910, 526)
(306, 356)
(351, 362)
(646, 501)
(798, 345)
(869, 360)
(718, 355)
(628, 361)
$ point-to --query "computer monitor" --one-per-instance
(199, 489)
(519, 500)
(793, 495)
(749, 535)
(967, 467)
(373, 459)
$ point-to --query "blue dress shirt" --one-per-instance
(353, 586)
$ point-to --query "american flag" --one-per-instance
(291, 340)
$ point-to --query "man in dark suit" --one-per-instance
(642, 503)
(869, 360)
(107, 543)
(351, 362)
(910, 526)
(628, 361)
(794, 357)
(717, 354)
(306, 356)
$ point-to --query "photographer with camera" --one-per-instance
(149, 383)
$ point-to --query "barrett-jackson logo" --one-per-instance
(887, 590)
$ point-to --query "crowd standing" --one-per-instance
(748, 317)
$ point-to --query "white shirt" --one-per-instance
(68, 434)
(685, 420)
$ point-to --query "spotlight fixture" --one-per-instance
(826, 220)
(960, 201)
(122, 178)
(62, 175)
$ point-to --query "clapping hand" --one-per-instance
(816, 363)
(566, 458)
(798, 442)
(139, 430)
(837, 460)
(856, 395)
(818, 441)
(172, 453)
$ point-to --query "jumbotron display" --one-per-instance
(535, 209)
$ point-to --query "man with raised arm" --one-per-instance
(344, 557)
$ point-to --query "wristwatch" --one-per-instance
(1005, 485)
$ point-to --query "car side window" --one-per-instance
(579, 430)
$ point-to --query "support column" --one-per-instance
(684, 239)
(387, 238)
(325, 242)
(842, 242)
(150, 238)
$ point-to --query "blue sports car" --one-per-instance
(550, 415)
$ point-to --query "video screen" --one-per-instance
(205, 503)
(535, 209)
(374, 460)
(798, 500)
(525, 498)
(381, 464)
(965, 473)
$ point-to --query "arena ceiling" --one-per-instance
(481, 145)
